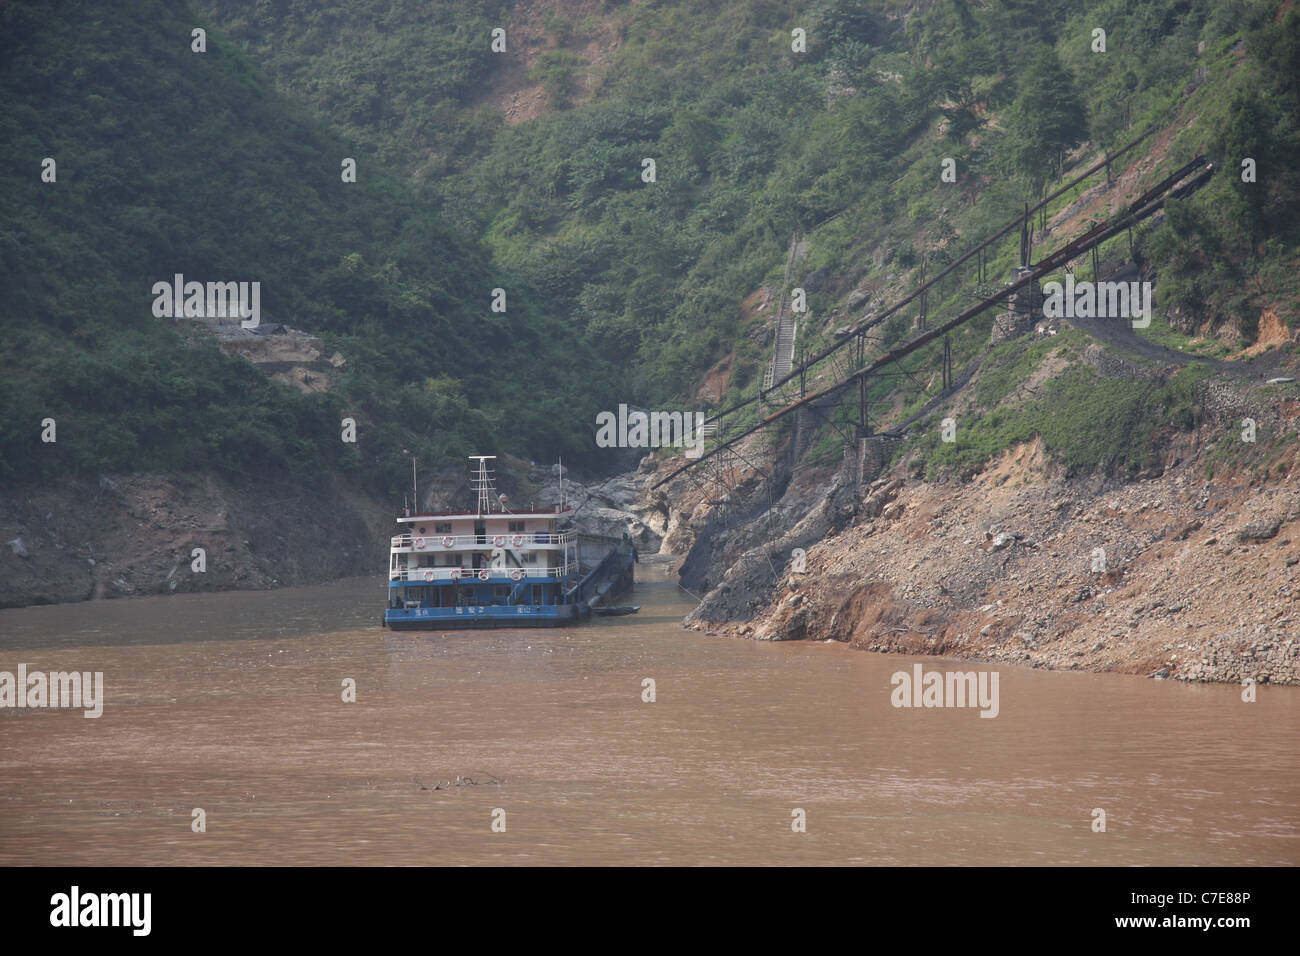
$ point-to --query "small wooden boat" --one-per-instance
(616, 610)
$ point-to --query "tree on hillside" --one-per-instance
(853, 21)
(847, 35)
(952, 84)
(1245, 134)
(1046, 118)
(1276, 47)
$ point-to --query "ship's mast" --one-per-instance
(482, 483)
(415, 485)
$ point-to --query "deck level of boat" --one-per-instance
(484, 608)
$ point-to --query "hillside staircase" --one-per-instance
(786, 325)
(804, 431)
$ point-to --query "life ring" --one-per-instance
(499, 541)
(448, 541)
(484, 575)
(455, 574)
(517, 540)
(516, 575)
(428, 575)
(419, 544)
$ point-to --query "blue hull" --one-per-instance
(489, 615)
(500, 601)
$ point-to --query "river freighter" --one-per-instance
(496, 568)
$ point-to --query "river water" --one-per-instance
(232, 703)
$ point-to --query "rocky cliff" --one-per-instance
(138, 534)
(1174, 576)
(127, 535)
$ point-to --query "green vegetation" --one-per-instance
(1162, 333)
(1088, 422)
(171, 161)
(1046, 119)
(1229, 252)
(555, 69)
(225, 165)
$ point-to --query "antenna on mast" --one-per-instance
(415, 484)
(482, 483)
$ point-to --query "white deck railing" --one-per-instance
(470, 575)
(527, 540)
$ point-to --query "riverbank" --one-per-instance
(131, 535)
(134, 535)
(1173, 577)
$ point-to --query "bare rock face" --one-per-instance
(1173, 576)
(288, 356)
(1008, 325)
(739, 588)
(613, 523)
(623, 492)
(137, 534)
(1261, 529)
(1266, 514)
(613, 508)
(881, 493)
(678, 534)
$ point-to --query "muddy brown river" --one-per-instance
(233, 704)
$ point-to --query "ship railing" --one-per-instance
(471, 575)
(521, 540)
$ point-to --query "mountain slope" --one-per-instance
(172, 162)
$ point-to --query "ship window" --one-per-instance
(465, 596)
(516, 527)
(443, 527)
(500, 592)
